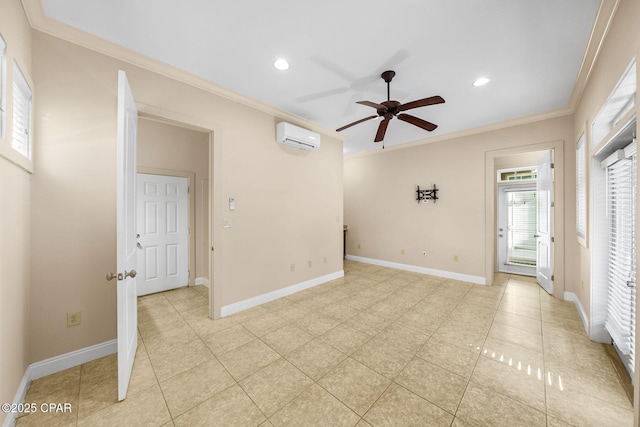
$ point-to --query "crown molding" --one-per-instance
(39, 21)
(468, 132)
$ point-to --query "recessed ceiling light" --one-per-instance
(481, 81)
(281, 64)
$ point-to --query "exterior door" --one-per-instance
(163, 228)
(126, 258)
(517, 227)
(544, 234)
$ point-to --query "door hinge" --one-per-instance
(553, 277)
(188, 273)
(188, 189)
(553, 240)
(553, 204)
(552, 165)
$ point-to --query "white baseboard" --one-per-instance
(270, 296)
(56, 364)
(571, 296)
(423, 270)
(199, 281)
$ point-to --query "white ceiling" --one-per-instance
(531, 50)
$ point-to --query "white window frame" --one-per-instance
(3, 87)
(581, 191)
(22, 139)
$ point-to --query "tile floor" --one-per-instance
(379, 347)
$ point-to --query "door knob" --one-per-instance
(112, 276)
(131, 274)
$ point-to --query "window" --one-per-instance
(3, 87)
(507, 175)
(621, 295)
(21, 113)
(620, 102)
(581, 190)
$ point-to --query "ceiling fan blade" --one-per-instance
(421, 103)
(355, 123)
(382, 129)
(417, 122)
(372, 104)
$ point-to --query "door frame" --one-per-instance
(491, 221)
(215, 187)
(191, 178)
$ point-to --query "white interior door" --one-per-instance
(544, 234)
(126, 233)
(163, 227)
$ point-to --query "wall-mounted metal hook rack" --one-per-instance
(426, 195)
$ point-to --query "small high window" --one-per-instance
(508, 175)
(22, 97)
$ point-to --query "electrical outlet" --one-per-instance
(455, 257)
(359, 246)
(73, 319)
(424, 253)
(293, 267)
(309, 263)
(325, 260)
(402, 251)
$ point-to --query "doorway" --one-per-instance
(517, 222)
(550, 230)
(167, 148)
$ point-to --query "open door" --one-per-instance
(544, 233)
(126, 259)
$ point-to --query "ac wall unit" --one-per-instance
(297, 137)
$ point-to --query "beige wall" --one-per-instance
(289, 204)
(15, 214)
(166, 149)
(384, 217)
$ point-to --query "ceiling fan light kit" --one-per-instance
(389, 109)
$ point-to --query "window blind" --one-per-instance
(581, 189)
(3, 86)
(521, 241)
(21, 113)
(621, 292)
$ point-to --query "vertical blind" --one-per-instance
(521, 240)
(21, 113)
(621, 291)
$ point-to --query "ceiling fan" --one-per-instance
(389, 109)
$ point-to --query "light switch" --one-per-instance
(226, 223)
(232, 203)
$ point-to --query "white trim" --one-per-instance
(478, 280)
(56, 364)
(199, 281)
(270, 296)
(571, 296)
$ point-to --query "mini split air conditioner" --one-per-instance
(297, 137)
